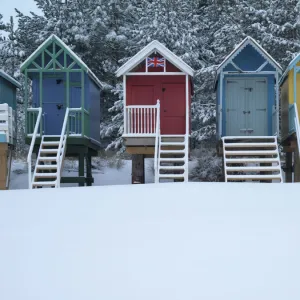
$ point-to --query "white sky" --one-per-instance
(7, 7)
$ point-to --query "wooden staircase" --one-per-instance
(251, 159)
(49, 163)
(172, 158)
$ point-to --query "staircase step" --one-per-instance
(171, 167)
(172, 143)
(53, 143)
(250, 145)
(42, 158)
(172, 151)
(251, 160)
(172, 136)
(249, 138)
(171, 176)
(49, 151)
(252, 152)
(45, 175)
(44, 183)
(253, 177)
(253, 169)
(166, 159)
(46, 167)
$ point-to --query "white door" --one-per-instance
(235, 107)
(257, 106)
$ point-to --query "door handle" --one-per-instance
(246, 112)
(59, 106)
(165, 110)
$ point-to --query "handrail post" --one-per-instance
(157, 141)
(296, 120)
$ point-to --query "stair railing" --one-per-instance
(297, 126)
(62, 147)
(33, 139)
(157, 135)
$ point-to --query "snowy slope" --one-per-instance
(164, 242)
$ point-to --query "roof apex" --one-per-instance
(147, 50)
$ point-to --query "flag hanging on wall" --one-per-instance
(153, 62)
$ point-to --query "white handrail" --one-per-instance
(36, 128)
(297, 126)
(62, 145)
(157, 142)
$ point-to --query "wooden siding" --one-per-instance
(284, 101)
(7, 93)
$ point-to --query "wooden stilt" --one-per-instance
(81, 167)
(89, 176)
(3, 165)
(138, 169)
(296, 166)
(289, 167)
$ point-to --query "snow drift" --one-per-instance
(168, 241)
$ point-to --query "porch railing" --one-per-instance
(31, 121)
(7, 123)
(157, 143)
(78, 122)
(141, 119)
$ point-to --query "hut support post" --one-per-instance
(89, 177)
(296, 166)
(289, 167)
(81, 167)
(138, 169)
(3, 165)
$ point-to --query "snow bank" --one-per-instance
(164, 242)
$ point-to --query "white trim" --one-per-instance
(187, 111)
(53, 37)
(277, 105)
(262, 66)
(251, 72)
(237, 67)
(249, 41)
(149, 49)
(155, 73)
(124, 104)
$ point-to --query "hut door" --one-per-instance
(235, 108)
(173, 108)
(257, 104)
(53, 106)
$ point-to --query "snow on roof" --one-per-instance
(249, 40)
(10, 79)
(72, 53)
(146, 51)
(192, 241)
(291, 65)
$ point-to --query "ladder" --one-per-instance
(251, 159)
(173, 151)
(49, 163)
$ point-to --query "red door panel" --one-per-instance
(173, 108)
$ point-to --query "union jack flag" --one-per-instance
(153, 62)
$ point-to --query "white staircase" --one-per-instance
(49, 163)
(251, 159)
(172, 158)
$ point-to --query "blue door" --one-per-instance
(54, 105)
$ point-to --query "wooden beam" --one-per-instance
(138, 169)
(140, 150)
(3, 165)
(296, 166)
(289, 167)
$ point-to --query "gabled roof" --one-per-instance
(10, 79)
(72, 54)
(149, 49)
(291, 65)
(249, 41)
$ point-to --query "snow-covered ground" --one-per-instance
(192, 241)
